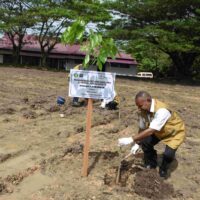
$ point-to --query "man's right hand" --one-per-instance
(135, 149)
(125, 141)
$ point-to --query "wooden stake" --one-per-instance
(118, 173)
(87, 139)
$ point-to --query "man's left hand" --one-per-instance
(125, 141)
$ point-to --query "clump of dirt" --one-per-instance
(4, 188)
(36, 104)
(6, 120)
(9, 111)
(4, 157)
(109, 177)
(25, 100)
(29, 115)
(15, 179)
(150, 185)
(54, 108)
(6, 184)
(74, 148)
(79, 129)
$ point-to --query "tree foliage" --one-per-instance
(97, 48)
(171, 26)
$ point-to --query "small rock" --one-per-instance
(62, 115)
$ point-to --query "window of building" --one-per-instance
(120, 65)
(78, 61)
(30, 60)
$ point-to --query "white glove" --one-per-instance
(125, 141)
(103, 104)
(135, 148)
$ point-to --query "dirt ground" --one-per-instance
(41, 152)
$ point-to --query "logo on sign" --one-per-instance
(76, 75)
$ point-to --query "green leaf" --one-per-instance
(74, 32)
(86, 60)
(102, 58)
(99, 64)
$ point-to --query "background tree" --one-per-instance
(150, 58)
(14, 22)
(50, 18)
(172, 27)
(53, 16)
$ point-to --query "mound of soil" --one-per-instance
(149, 184)
(127, 169)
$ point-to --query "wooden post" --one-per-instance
(87, 138)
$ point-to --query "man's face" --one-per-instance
(143, 104)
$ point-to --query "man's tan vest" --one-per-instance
(173, 132)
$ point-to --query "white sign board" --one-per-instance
(91, 84)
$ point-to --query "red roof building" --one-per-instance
(63, 56)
